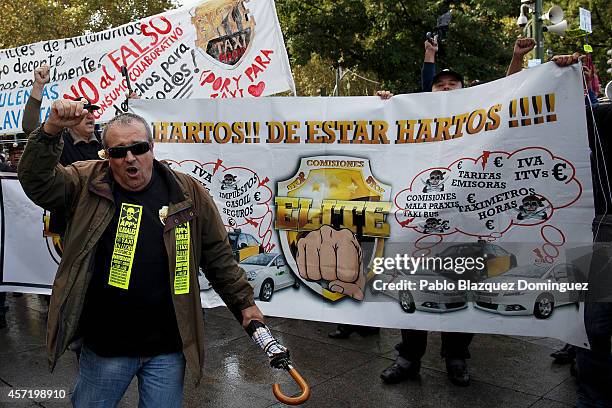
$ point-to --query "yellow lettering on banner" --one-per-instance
(181, 269)
(125, 245)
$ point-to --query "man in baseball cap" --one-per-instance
(455, 346)
(447, 80)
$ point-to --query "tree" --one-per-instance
(386, 36)
(600, 39)
(318, 78)
(29, 21)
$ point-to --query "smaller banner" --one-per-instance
(214, 49)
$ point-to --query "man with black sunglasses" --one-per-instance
(128, 280)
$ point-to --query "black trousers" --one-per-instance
(595, 365)
(414, 344)
(3, 307)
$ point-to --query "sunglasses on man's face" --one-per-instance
(119, 152)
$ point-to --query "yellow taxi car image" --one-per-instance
(244, 245)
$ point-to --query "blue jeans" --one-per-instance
(102, 381)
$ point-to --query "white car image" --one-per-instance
(425, 299)
(540, 303)
(268, 273)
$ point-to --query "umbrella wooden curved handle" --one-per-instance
(300, 399)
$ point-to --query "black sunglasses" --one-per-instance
(119, 152)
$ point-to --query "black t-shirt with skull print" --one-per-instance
(135, 316)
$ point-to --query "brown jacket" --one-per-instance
(84, 189)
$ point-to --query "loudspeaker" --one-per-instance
(555, 15)
(558, 28)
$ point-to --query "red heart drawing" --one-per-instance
(257, 90)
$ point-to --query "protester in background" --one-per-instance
(455, 346)
(15, 150)
(594, 366)
(80, 141)
(522, 46)
(592, 83)
(14, 155)
(128, 280)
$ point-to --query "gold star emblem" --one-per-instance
(352, 188)
(333, 181)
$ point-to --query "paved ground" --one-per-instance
(506, 371)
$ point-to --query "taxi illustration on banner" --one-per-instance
(268, 273)
(224, 30)
(243, 245)
(332, 221)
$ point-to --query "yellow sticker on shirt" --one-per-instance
(181, 269)
(125, 245)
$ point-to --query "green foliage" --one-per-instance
(318, 78)
(386, 37)
(600, 40)
(379, 39)
(29, 21)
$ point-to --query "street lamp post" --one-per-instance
(537, 27)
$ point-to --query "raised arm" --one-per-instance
(31, 114)
(521, 47)
(44, 182)
(429, 64)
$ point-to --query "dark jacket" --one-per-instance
(84, 191)
(428, 71)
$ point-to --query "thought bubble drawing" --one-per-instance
(485, 196)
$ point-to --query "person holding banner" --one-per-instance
(455, 346)
(14, 155)
(128, 280)
(594, 365)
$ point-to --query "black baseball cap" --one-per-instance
(88, 105)
(17, 145)
(448, 72)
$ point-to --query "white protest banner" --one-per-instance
(29, 259)
(216, 49)
(335, 207)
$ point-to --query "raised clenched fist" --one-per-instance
(523, 45)
(64, 113)
(332, 256)
(41, 75)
